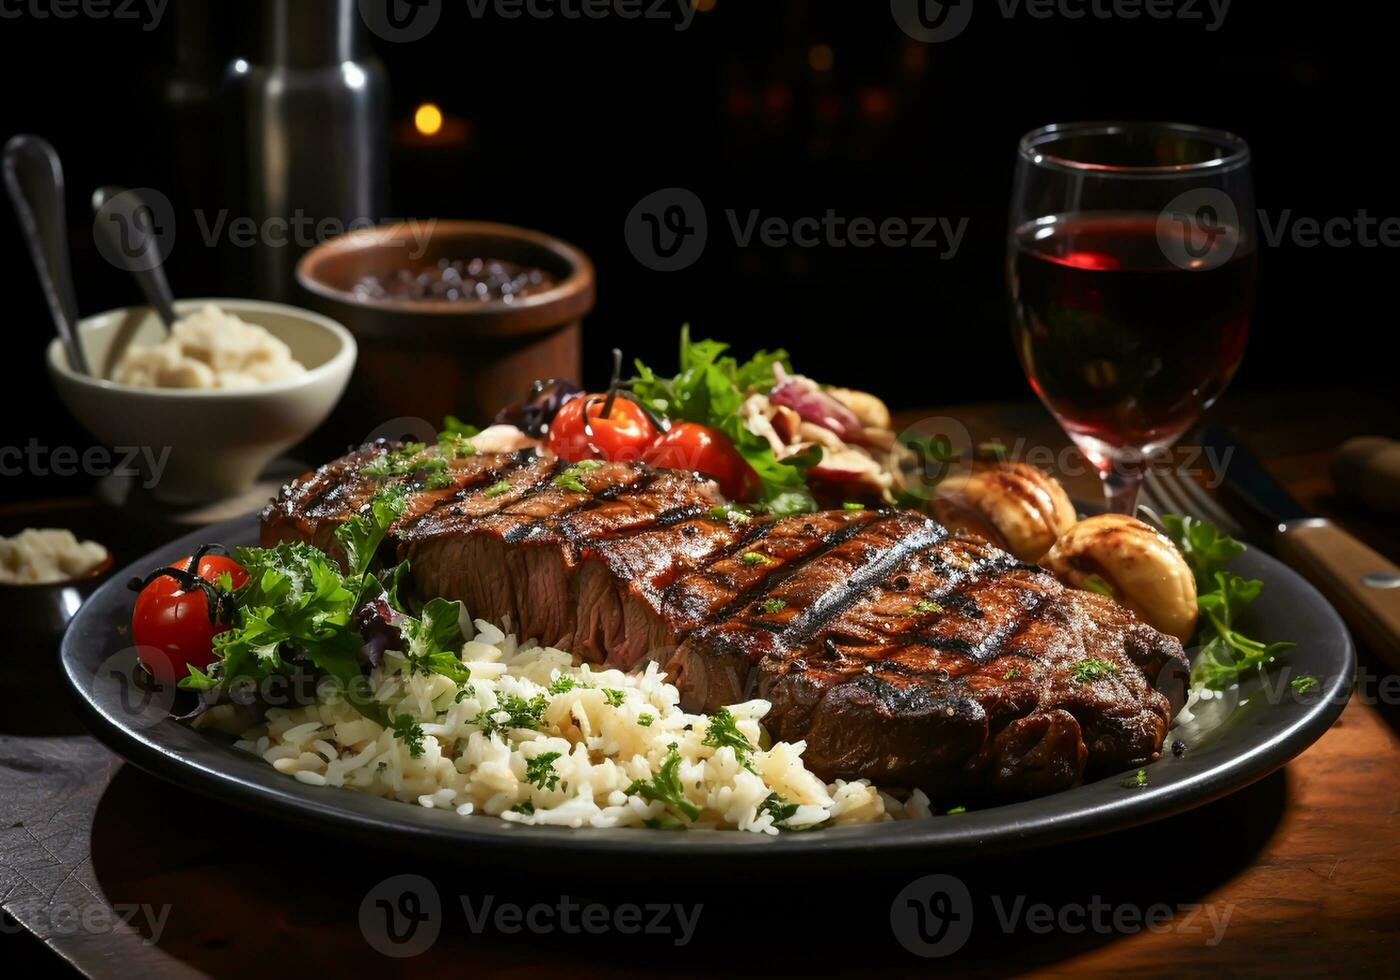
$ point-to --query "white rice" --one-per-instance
(603, 748)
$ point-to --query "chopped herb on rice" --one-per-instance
(506, 744)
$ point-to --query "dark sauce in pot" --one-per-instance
(477, 280)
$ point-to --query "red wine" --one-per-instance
(1123, 345)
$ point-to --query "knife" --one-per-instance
(1363, 584)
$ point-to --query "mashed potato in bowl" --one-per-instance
(45, 556)
(209, 349)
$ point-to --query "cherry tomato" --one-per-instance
(690, 446)
(579, 430)
(171, 626)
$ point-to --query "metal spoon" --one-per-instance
(124, 219)
(34, 178)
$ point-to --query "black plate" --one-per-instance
(1232, 742)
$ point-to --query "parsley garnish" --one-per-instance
(731, 512)
(665, 787)
(755, 558)
(527, 808)
(1304, 684)
(1092, 669)
(613, 696)
(1011, 674)
(521, 714)
(724, 730)
(955, 811)
(923, 606)
(1095, 583)
(1226, 654)
(1137, 780)
(497, 488)
(569, 481)
(456, 444)
(780, 809)
(774, 605)
(540, 770)
(409, 732)
(408, 459)
(852, 505)
(645, 719)
(562, 684)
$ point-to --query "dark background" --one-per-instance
(572, 122)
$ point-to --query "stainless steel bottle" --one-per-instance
(313, 111)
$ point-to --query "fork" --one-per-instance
(1171, 491)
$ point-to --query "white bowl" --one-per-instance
(218, 440)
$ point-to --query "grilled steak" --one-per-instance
(897, 652)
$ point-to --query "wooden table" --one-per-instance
(1299, 873)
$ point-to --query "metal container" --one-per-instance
(312, 111)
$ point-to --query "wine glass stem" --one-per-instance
(1121, 482)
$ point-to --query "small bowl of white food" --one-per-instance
(207, 405)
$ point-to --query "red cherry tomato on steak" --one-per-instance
(171, 627)
(579, 430)
(691, 446)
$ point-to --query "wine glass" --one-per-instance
(1131, 266)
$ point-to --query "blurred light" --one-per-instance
(776, 97)
(427, 119)
(914, 58)
(821, 57)
(240, 67)
(876, 103)
(739, 102)
(353, 74)
(703, 6)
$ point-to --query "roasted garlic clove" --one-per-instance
(1016, 505)
(871, 411)
(1137, 564)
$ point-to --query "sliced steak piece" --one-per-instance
(312, 507)
(914, 659)
(574, 560)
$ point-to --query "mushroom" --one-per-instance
(1015, 505)
(1133, 562)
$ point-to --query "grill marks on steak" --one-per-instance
(897, 653)
(980, 696)
(573, 568)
